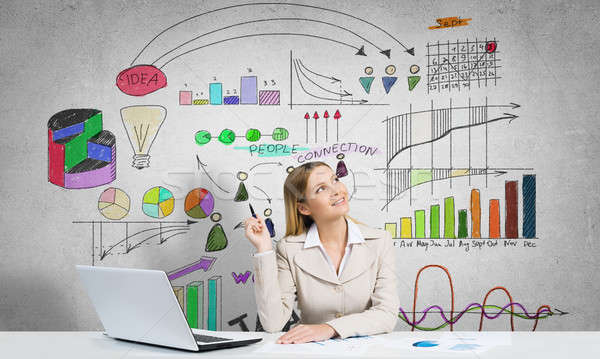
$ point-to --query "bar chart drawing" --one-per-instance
(248, 94)
(461, 229)
(413, 130)
(201, 301)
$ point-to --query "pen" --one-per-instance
(252, 210)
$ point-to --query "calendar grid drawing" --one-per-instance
(459, 65)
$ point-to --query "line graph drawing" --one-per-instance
(161, 230)
(484, 309)
(415, 129)
(461, 64)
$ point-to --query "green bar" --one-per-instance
(195, 305)
(434, 221)
(76, 149)
(420, 224)
(449, 217)
(462, 224)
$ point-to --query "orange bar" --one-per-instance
(494, 218)
(475, 214)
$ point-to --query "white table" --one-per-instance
(79, 345)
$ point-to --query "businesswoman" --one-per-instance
(341, 271)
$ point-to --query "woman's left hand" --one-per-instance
(304, 333)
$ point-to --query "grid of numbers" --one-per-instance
(460, 65)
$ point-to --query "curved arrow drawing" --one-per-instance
(300, 65)
(359, 50)
(411, 51)
(384, 52)
(320, 97)
(209, 177)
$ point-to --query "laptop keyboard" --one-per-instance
(209, 339)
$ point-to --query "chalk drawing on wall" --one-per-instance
(158, 202)
(228, 136)
(247, 94)
(205, 263)
(199, 203)
(415, 130)
(413, 79)
(453, 227)
(125, 236)
(142, 124)
(321, 121)
(484, 310)
(217, 239)
(461, 65)
(241, 323)
(114, 203)
(242, 193)
(202, 302)
(80, 153)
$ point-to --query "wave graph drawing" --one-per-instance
(542, 312)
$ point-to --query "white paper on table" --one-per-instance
(338, 347)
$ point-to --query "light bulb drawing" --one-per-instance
(142, 123)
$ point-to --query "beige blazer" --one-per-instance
(363, 301)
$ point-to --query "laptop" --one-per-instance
(139, 305)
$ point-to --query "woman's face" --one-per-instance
(326, 197)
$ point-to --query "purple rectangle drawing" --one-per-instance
(268, 97)
(204, 263)
(248, 88)
(231, 100)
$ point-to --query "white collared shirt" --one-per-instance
(313, 240)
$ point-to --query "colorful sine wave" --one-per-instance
(542, 312)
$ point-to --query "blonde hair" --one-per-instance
(294, 190)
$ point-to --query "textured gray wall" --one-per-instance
(66, 54)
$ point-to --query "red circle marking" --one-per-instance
(490, 47)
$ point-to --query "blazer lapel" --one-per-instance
(311, 260)
(361, 258)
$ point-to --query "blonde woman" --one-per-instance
(341, 271)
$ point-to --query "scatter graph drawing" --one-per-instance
(462, 65)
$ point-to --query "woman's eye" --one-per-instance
(319, 189)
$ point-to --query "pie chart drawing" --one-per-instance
(113, 203)
(158, 202)
(199, 203)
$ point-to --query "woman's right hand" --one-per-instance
(258, 234)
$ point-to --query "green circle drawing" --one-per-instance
(253, 135)
(280, 134)
(227, 136)
(202, 137)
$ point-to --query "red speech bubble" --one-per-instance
(141, 80)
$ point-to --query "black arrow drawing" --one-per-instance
(200, 164)
(320, 97)
(410, 51)
(300, 65)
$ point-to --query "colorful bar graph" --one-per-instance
(185, 97)
(475, 214)
(215, 91)
(405, 227)
(248, 88)
(511, 224)
(268, 97)
(195, 304)
(434, 221)
(449, 217)
(214, 303)
(463, 232)
(494, 218)
(420, 224)
(391, 227)
(200, 101)
(528, 206)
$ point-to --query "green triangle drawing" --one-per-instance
(412, 82)
(217, 240)
(241, 194)
(366, 83)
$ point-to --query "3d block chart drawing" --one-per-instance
(80, 153)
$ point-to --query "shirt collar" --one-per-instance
(313, 240)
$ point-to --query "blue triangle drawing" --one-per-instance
(388, 82)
